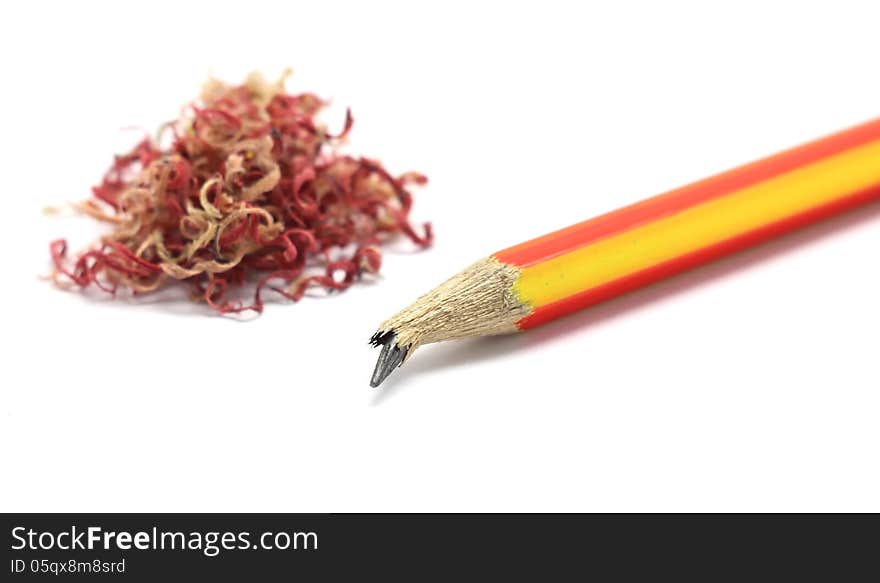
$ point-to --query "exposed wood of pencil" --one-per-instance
(548, 277)
(479, 301)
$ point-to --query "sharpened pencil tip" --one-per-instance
(389, 358)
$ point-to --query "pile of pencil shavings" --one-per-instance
(249, 191)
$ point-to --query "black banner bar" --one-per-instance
(282, 547)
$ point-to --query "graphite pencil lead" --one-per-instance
(389, 358)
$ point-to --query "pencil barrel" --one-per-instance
(601, 258)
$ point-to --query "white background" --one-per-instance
(750, 385)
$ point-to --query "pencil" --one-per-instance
(579, 266)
